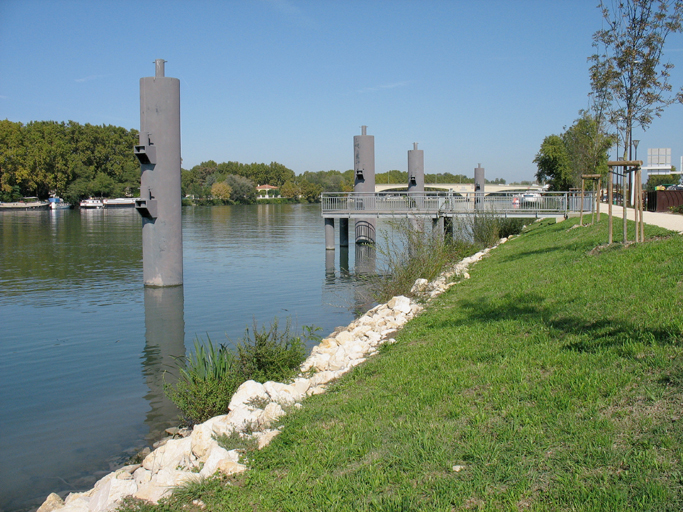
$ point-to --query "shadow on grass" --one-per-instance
(577, 333)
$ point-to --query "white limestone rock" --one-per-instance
(247, 392)
(271, 413)
(318, 361)
(217, 456)
(171, 477)
(265, 437)
(323, 378)
(202, 437)
(339, 360)
(284, 394)
(80, 504)
(344, 337)
(176, 452)
(142, 476)
(244, 417)
(301, 385)
(51, 503)
(399, 304)
(110, 490)
(152, 492)
(419, 286)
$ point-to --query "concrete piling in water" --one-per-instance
(329, 234)
(364, 183)
(160, 194)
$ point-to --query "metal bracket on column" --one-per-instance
(145, 152)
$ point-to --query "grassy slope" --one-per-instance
(553, 376)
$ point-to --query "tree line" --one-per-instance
(70, 160)
(74, 161)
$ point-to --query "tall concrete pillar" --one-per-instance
(364, 183)
(416, 169)
(160, 198)
(329, 234)
(479, 184)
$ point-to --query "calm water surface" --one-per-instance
(83, 345)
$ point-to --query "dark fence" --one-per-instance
(662, 200)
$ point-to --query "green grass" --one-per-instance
(553, 375)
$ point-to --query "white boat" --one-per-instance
(26, 204)
(91, 204)
(119, 202)
(57, 203)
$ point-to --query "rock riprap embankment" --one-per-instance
(255, 408)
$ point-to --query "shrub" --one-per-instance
(208, 377)
(268, 354)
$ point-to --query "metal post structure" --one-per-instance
(364, 183)
(160, 195)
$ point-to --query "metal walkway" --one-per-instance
(436, 205)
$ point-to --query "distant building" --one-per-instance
(264, 190)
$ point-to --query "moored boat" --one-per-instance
(26, 204)
(91, 204)
(119, 202)
(57, 203)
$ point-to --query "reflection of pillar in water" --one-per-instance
(344, 261)
(366, 263)
(165, 341)
(364, 184)
(329, 266)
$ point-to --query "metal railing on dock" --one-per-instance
(447, 204)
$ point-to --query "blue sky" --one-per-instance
(292, 81)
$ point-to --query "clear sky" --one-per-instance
(292, 81)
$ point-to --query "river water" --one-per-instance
(84, 346)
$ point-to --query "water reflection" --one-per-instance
(165, 342)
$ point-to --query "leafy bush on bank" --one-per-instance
(209, 376)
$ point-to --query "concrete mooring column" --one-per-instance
(364, 182)
(160, 197)
(479, 185)
(329, 234)
(416, 169)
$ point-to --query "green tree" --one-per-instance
(310, 191)
(627, 75)
(587, 147)
(12, 159)
(553, 164)
(221, 190)
(243, 190)
(290, 190)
